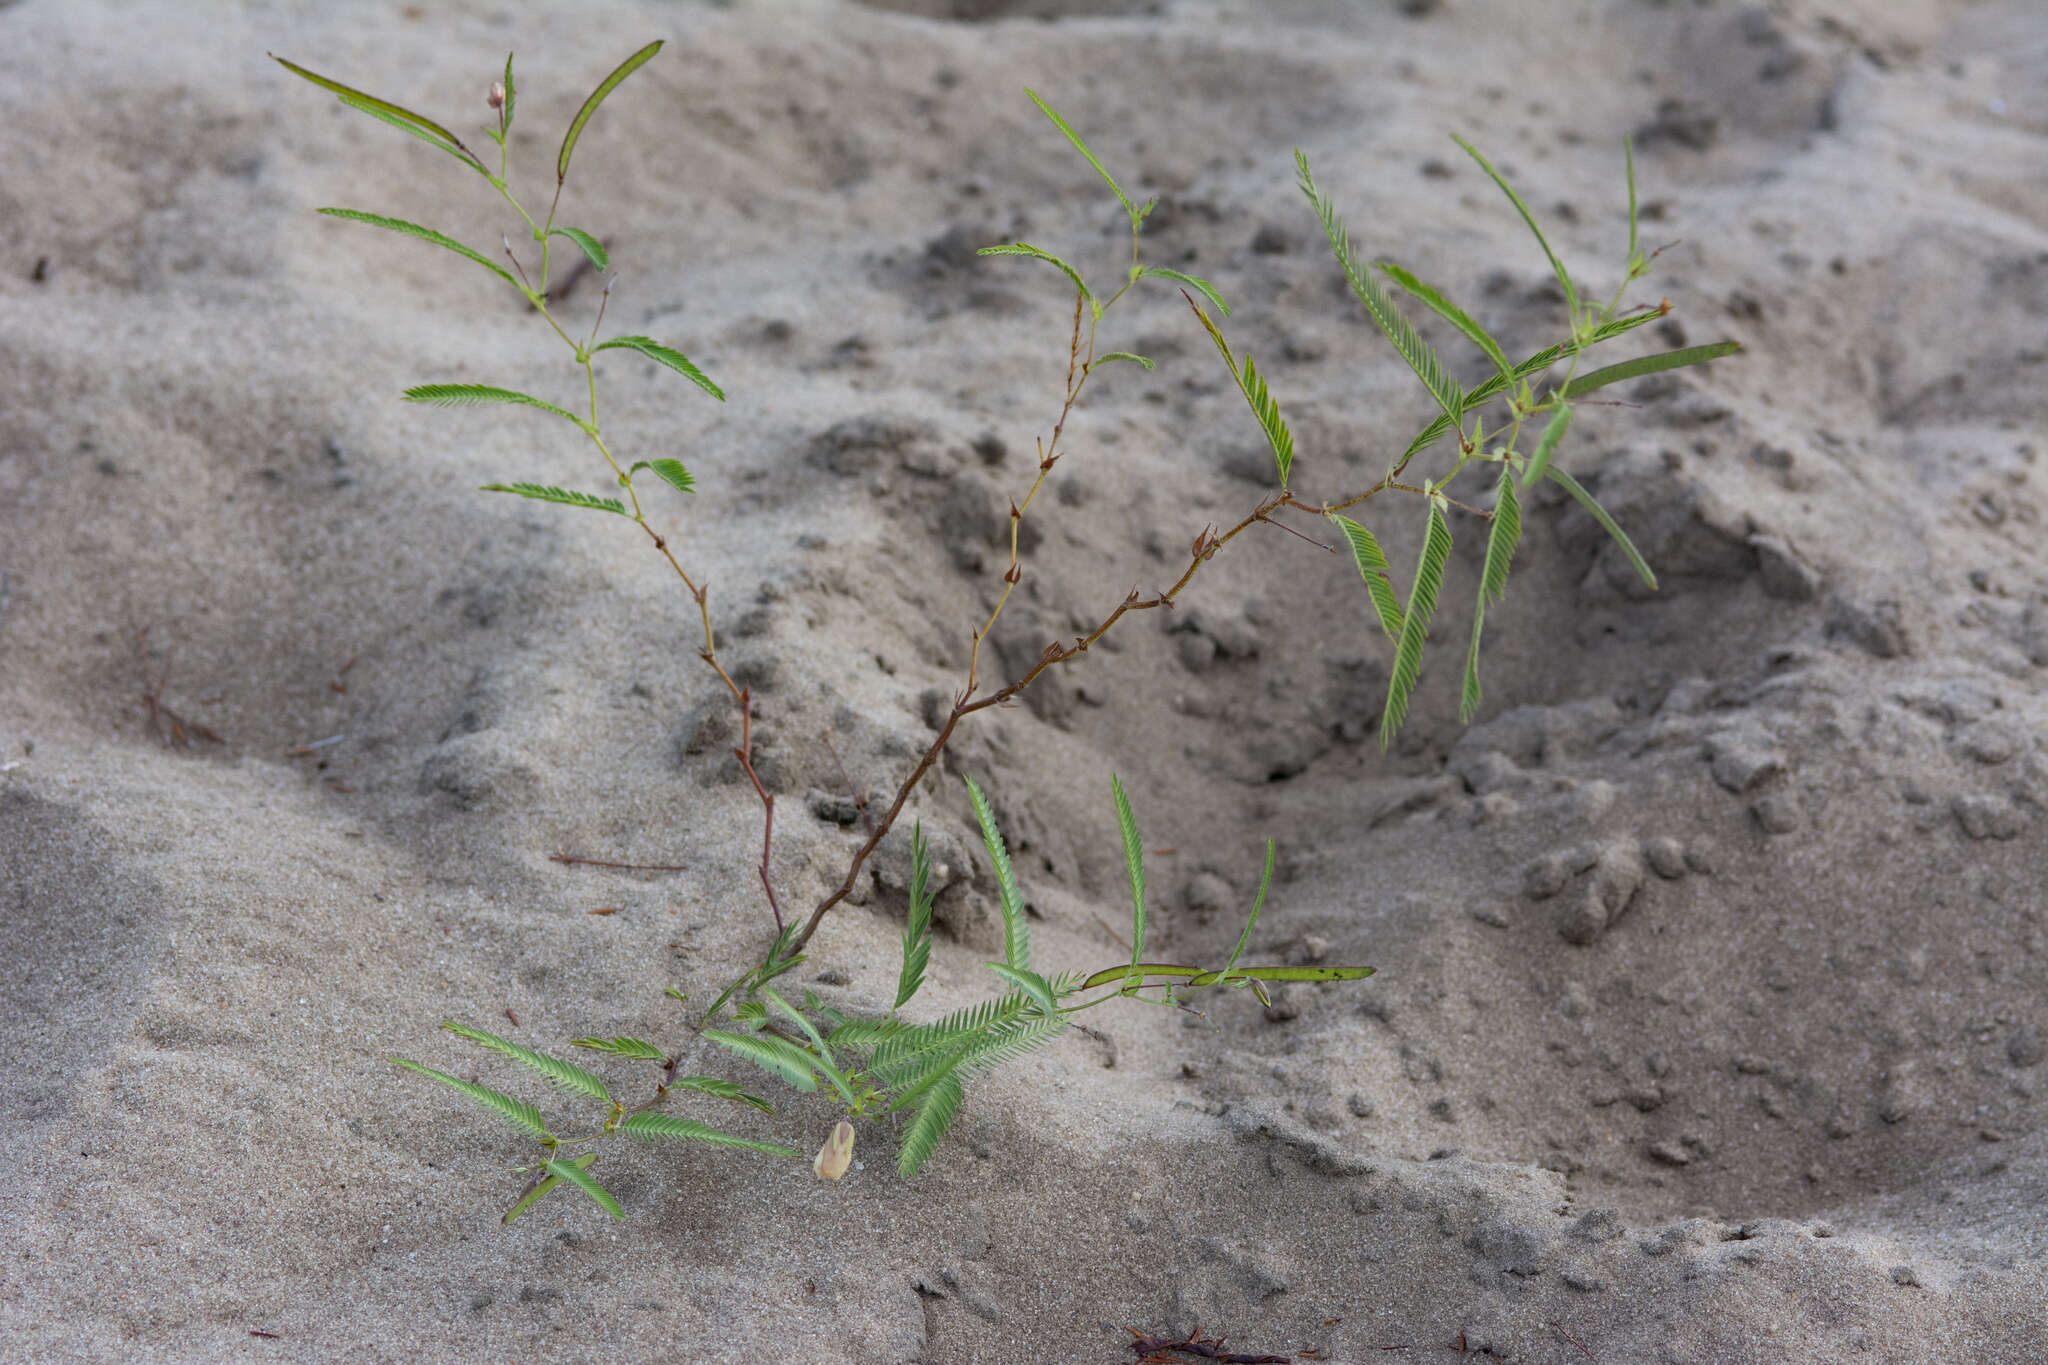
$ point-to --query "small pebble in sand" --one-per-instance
(1666, 856)
(1777, 813)
(1987, 817)
(1903, 1274)
(1670, 1154)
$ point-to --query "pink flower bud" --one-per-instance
(497, 98)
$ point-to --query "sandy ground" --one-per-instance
(1710, 1018)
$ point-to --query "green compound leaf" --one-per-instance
(540, 1188)
(1607, 523)
(1131, 209)
(592, 248)
(1102, 360)
(511, 92)
(1650, 364)
(1016, 934)
(1528, 369)
(674, 359)
(565, 1074)
(470, 395)
(1026, 249)
(1493, 579)
(597, 97)
(1134, 864)
(1564, 279)
(1252, 385)
(1434, 300)
(670, 472)
(406, 126)
(651, 1127)
(568, 497)
(1420, 356)
(1429, 576)
(1200, 286)
(934, 1117)
(1547, 443)
(425, 235)
(723, 1089)
(1034, 986)
(577, 1176)
(917, 935)
(632, 1049)
(1372, 567)
(1278, 437)
(417, 124)
(521, 1114)
(779, 1058)
(1258, 904)
(1635, 251)
(804, 1025)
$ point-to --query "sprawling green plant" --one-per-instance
(884, 1066)
(873, 1067)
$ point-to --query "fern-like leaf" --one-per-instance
(541, 1187)
(1564, 279)
(518, 1112)
(783, 1060)
(1649, 364)
(592, 248)
(1134, 865)
(568, 497)
(1372, 567)
(665, 355)
(1536, 364)
(1607, 523)
(1258, 904)
(866, 1035)
(417, 124)
(565, 1074)
(1493, 580)
(917, 934)
(597, 97)
(1278, 437)
(1102, 360)
(652, 1127)
(575, 1175)
(1433, 299)
(1429, 576)
(670, 472)
(1031, 983)
(633, 1049)
(1547, 443)
(426, 235)
(1418, 353)
(1252, 385)
(1037, 254)
(1130, 209)
(1016, 933)
(405, 126)
(934, 1117)
(1199, 285)
(469, 395)
(723, 1089)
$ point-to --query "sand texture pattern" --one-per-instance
(1712, 1004)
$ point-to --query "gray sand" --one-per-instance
(1710, 1018)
